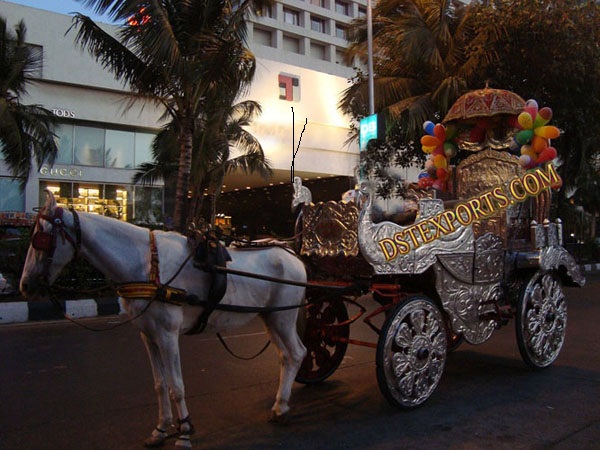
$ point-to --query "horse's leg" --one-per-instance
(165, 415)
(281, 327)
(169, 351)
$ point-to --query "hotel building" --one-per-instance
(300, 74)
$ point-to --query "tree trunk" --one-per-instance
(183, 178)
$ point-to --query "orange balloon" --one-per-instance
(538, 144)
(548, 132)
(429, 141)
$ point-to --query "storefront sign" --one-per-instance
(66, 172)
(63, 113)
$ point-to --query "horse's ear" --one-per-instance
(50, 204)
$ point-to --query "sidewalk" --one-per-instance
(22, 311)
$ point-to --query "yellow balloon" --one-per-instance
(428, 149)
(527, 150)
(525, 120)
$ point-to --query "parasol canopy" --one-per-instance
(485, 102)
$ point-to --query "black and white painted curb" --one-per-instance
(16, 312)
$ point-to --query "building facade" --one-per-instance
(103, 136)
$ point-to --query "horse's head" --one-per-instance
(53, 245)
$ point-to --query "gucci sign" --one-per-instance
(61, 172)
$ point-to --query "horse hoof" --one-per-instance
(154, 442)
(279, 419)
(183, 442)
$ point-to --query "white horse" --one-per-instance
(122, 252)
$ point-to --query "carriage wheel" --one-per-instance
(325, 340)
(541, 320)
(411, 352)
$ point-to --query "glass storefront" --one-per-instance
(102, 147)
(141, 204)
(12, 197)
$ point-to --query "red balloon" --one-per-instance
(439, 131)
(548, 154)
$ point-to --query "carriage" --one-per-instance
(475, 251)
(460, 265)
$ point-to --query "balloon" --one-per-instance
(525, 121)
(424, 182)
(548, 154)
(524, 136)
(429, 164)
(525, 160)
(429, 141)
(439, 150)
(441, 174)
(527, 150)
(440, 162)
(439, 131)
(539, 143)
(439, 185)
(546, 114)
(548, 132)
(514, 145)
(428, 149)
(428, 127)
(450, 150)
(531, 107)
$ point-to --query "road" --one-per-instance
(63, 387)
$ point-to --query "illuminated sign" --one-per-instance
(517, 190)
(289, 87)
(70, 172)
(371, 127)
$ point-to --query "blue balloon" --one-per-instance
(428, 127)
(423, 175)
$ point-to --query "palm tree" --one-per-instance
(175, 53)
(25, 130)
(426, 55)
(223, 130)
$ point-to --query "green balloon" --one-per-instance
(524, 136)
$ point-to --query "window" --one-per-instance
(340, 57)
(64, 136)
(342, 8)
(148, 203)
(290, 16)
(362, 12)
(317, 24)
(340, 31)
(88, 146)
(119, 149)
(143, 148)
(320, 3)
(317, 51)
(263, 37)
(266, 11)
(291, 44)
(11, 196)
(37, 54)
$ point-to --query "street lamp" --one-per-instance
(370, 57)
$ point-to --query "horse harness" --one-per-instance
(46, 241)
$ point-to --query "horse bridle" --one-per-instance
(46, 241)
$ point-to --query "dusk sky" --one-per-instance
(61, 6)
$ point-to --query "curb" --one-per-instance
(17, 312)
